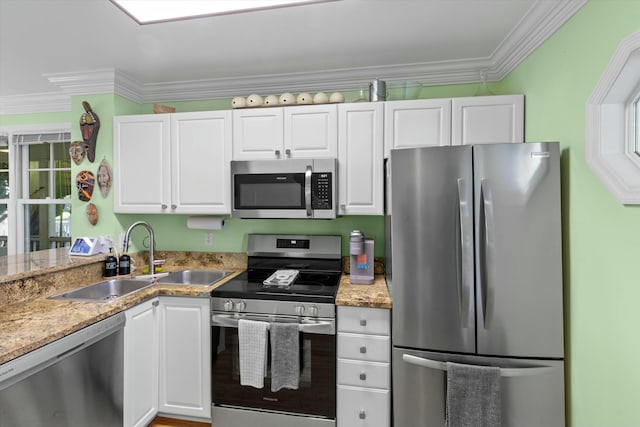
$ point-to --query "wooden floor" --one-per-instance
(170, 422)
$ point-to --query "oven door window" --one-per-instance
(269, 191)
(316, 391)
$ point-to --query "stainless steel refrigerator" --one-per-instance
(474, 267)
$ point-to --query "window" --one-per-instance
(612, 133)
(4, 194)
(35, 190)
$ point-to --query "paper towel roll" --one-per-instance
(205, 222)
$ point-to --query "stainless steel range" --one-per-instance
(289, 279)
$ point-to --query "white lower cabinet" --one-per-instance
(167, 354)
(364, 370)
(185, 355)
(141, 364)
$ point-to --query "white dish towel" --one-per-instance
(252, 338)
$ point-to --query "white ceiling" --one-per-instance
(50, 49)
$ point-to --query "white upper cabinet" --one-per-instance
(360, 158)
(285, 132)
(258, 133)
(417, 123)
(141, 163)
(172, 163)
(311, 131)
(200, 154)
(487, 119)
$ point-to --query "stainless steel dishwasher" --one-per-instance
(73, 382)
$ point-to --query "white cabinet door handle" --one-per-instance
(363, 349)
(362, 415)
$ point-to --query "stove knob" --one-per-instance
(241, 306)
(313, 311)
(299, 310)
(228, 305)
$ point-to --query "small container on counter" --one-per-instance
(110, 265)
(124, 264)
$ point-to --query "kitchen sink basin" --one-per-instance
(194, 277)
(105, 291)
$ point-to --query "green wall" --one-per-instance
(601, 237)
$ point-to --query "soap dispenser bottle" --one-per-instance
(110, 265)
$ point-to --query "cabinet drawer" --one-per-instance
(363, 374)
(368, 348)
(363, 320)
(359, 407)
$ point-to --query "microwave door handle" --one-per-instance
(307, 190)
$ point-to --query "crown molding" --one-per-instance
(92, 82)
(542, 20)
(50, 102)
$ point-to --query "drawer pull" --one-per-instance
(363, 349)
(363, 376)
(363, 322)
(362, 414)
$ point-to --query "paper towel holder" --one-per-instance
(206, 222)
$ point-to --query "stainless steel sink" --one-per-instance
(194, 277)
(106, 291)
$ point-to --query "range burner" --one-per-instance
(316, 259)
(308, 286)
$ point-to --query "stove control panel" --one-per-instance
(272, 307)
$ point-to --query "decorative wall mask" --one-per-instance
(76, 151)
(85, 181)
(89, 126)
(104, 178)
(92, 214)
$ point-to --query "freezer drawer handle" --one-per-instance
(504, 372)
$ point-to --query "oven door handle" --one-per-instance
(304, 325)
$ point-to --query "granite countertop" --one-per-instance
(375, 295)
(28, 323)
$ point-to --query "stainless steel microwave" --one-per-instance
(286, 188)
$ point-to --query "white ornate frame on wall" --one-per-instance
(611, 123)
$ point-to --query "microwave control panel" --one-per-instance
(322, 191)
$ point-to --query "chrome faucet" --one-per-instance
(152, 242)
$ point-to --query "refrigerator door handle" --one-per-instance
(504, 372)
(462, 244)
(486, 244)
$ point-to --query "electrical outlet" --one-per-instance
(208, 238)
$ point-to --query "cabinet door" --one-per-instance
(311, 131)
(417, 123)
(141, 364)
(141, 163)
(360, 158)
(185, 357)
(200, 153)
(258, 134)
(488, 119)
